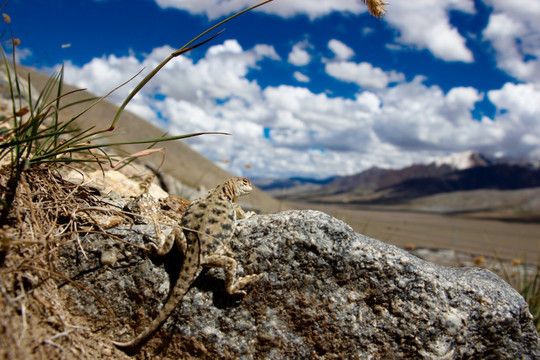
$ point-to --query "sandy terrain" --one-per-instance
(511, 240)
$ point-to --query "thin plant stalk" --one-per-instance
(178, 52)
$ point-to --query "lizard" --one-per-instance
(205, 230)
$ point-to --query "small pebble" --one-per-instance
(108, 257)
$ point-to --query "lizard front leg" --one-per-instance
(241, 214)
(229, 265)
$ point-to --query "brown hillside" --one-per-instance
(182, 162)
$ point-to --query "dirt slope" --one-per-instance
(182, 162)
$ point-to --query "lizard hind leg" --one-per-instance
(165, 243)
(232, 284)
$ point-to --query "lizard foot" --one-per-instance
(242, 282)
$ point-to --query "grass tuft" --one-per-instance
(524, 278)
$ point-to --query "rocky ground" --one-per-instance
(327, 292)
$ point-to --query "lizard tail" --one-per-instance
(189, 273)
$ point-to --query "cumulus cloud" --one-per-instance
(514, 32)
(416, 117)
(422, 24)
(363, 74)
(425, 24)
(340, 50)
(290, 130)
(191, 90)
(299, 55)
(22, 54)
(300, 77)
(518, 106)
(101, 75)
(220, 74)
(310, 8)
(525, 10)
(317, 115)
(521, 101)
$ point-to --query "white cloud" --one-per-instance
(298, 55)
(518, 106)
(191, 89)
(418, 118)
(425, 24)
(21, 53)
(318, 113)
(310, 8)
(363, 74)
(526, 10)
(301, 77)
(340, 50)
(422, 24)
(290, 130)
(459, 102)
(101, 75)
(522, 100)
(514, 32)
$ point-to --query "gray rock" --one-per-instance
(327, 292)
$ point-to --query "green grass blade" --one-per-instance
(182, 50)
(53, 154)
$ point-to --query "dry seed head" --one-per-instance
(376, 7)
(479, 260)
(6, 17)
(22, 111)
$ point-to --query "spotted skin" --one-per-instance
(205, 231)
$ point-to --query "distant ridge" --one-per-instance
(376, 178)
(494, 177)
(461, 183)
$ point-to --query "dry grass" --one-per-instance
(525, 279)
(44, 215)
(43, 208)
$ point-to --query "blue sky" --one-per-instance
(309, 88)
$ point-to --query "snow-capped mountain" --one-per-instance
(459, 172)
(462, 161)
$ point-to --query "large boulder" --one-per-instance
(327, 292)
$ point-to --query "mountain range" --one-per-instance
(482, 184)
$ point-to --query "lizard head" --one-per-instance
(237, 186)
(242, 186)
(234, 187)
